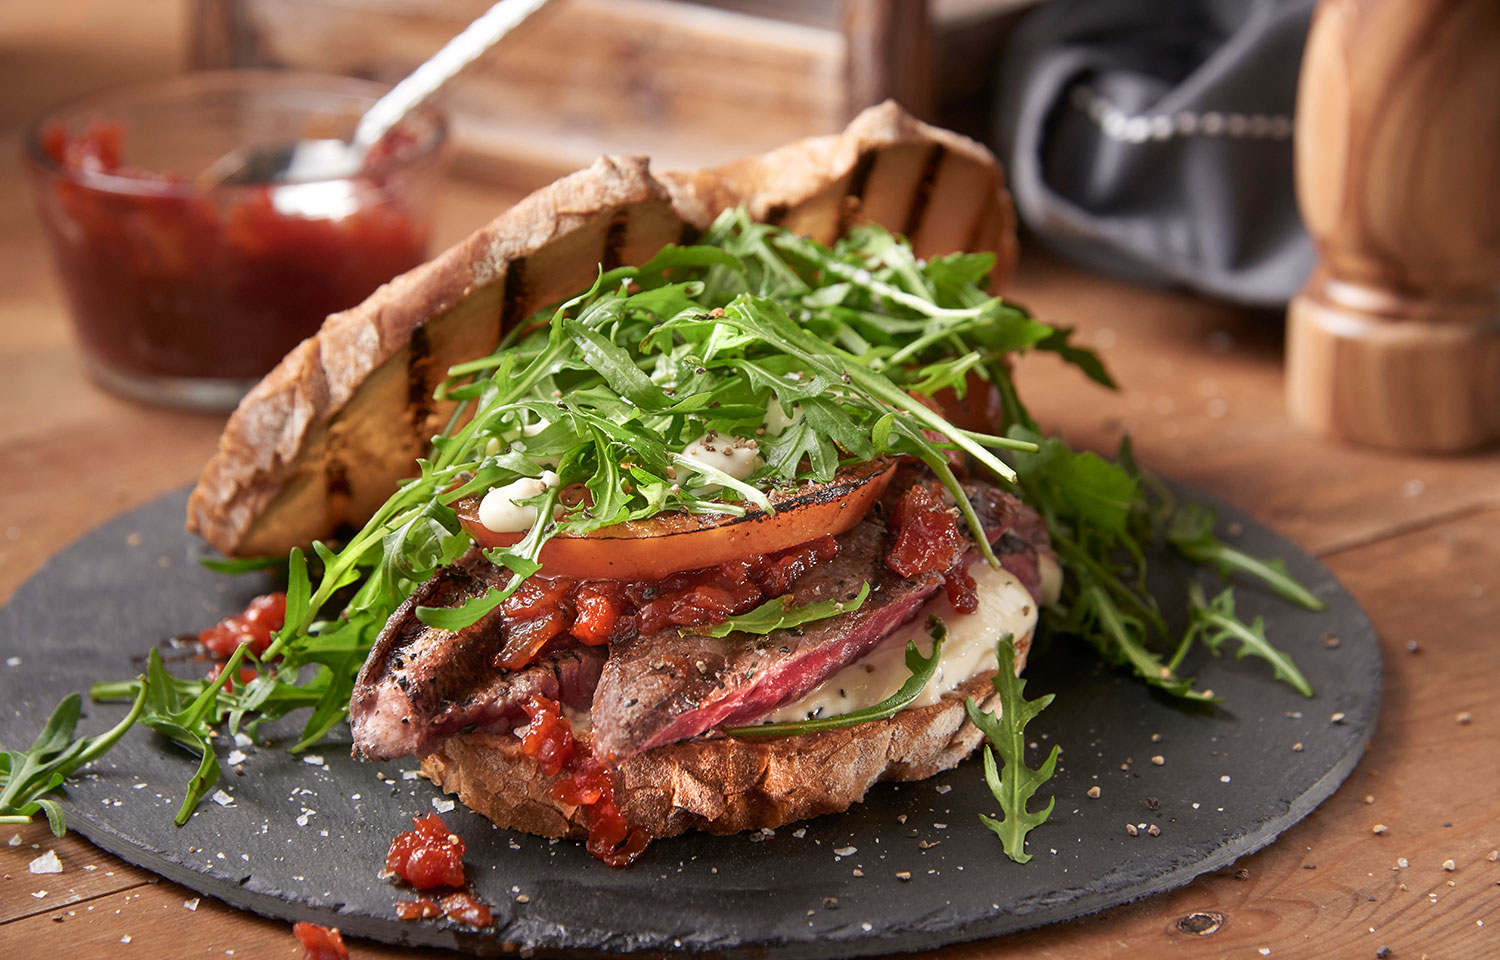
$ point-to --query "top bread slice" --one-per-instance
(326, 437)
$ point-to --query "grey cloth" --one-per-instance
(1152, 138)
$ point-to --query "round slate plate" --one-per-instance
(911, 867)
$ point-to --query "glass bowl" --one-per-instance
(185, 292)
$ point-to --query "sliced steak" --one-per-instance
(665, 687)
(420, 684)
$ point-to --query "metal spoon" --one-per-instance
(307, 160)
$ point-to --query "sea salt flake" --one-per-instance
(191, 904)
(441, 805)
(39, 894)
(46, 863)
(313, 759)
(125, 939)
(846, 851)
(1224, 778)
(14, 841)
(12, 661)
(235, 757)
(944, 788)
(222, 799)
(242, 740)
(410, 774)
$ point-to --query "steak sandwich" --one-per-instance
(715, 538)
(652, 704)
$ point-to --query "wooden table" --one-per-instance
(1417, 541)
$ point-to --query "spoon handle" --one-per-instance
(441, 67)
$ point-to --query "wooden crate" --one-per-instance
(690, 83)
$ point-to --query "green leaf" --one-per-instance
(1082, 486)
(26, 776)
(1191, 533)
(1215, 621)
(1014, 783)
(470, 612)
(613, 362)
(779, 614)
(922, 670)
(1084, 358)
(236, 565)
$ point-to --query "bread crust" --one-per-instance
(326, 436)
(722, 785)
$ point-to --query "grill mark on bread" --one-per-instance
(854, 196)
(614, 239)
(337, 491)
(922, 195)
(513, 300)
(419, 364)
(981, 220)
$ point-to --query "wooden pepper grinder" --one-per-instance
(1395, 340)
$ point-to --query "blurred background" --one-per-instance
(1152, 141)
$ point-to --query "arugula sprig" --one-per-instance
(27, 776)
(1013, 783)
(1102, 516)
(779, 614)
(1191, 534)
(1214, 621)
(922, 670)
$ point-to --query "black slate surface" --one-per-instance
(304, 839)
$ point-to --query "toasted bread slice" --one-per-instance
(324, 439)
(719, 786)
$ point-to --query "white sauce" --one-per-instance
(1051, 576)
(732, 455)
(1005, 606)
(777, 419)
(499, 511)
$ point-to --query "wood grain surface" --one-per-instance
(1416, 539)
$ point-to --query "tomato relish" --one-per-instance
(320, 942)
(171, 281)
(595, 612)
(927, 540)
(254, 625)
(464, 907)
(428, 855)
(549, 738)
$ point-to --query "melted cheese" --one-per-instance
(1005, 606)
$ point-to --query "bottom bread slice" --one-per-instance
(723, 785)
